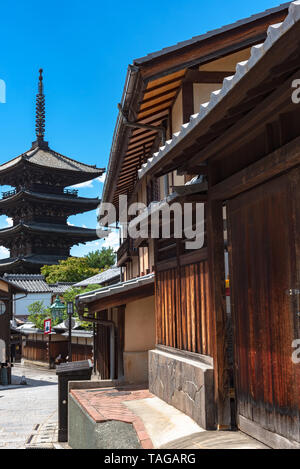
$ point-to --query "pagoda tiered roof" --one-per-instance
(74, 203)
(40, 204)
(86, 234)
(27, 263)
(41, 159)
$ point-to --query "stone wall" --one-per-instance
(85, 433)
(185, 382)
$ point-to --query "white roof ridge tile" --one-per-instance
(274, 32)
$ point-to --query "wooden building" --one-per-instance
(40, 203)
(43, 350)
(226, 137)
(7, 290)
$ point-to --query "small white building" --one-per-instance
(37, 290)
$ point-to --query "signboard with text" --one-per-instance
(47, 326)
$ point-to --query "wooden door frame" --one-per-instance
(272, 165)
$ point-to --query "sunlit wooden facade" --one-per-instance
(242, 145)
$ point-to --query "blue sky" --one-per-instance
(84, 49)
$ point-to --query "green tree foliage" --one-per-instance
(73, 269)
(101, 259)
(38, 313)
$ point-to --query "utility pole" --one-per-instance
(70, 311)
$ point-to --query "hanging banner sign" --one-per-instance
(47, 326)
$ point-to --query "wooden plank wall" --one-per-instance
(101, 353)
(264, 247)
(183, 308)
(36, 350)
(82, 352)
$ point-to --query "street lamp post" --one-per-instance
(70, 311)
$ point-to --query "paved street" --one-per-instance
(23, 407)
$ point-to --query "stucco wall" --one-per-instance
(139, 338)
(227, 63)
(202, 93)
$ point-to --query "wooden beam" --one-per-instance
(159, 102)
(168, 84)
(215, 241)
(271, 165)
(158, 97)
(157, 117)
(137, 150)
(140, 138)
(199, 76)
(163, 80)
(187, 101)
(197, 169)
(153, 111)
(135, 145)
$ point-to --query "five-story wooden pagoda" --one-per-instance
(40, 204)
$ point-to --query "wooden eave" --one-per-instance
(161, 81)
(72, 205)
(214, 47)
(249, 103)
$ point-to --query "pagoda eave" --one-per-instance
(72, 203)
(73, 232)
(31, 263)
(69, 173)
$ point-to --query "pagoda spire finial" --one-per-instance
(40, 114)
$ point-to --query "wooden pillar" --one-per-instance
(187, 101)
(219, 324)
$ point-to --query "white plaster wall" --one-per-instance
(20, 306)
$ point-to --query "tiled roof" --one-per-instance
(100, 278)
(51, 227)
(35, 283)
(31, 259)
(52, 159)
(117, 288)
(257, 52)
(60, 287)
(56, 197)
(32, 283)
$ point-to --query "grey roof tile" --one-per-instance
(35, 283)
(113, 289)
(50, 227)
(56, 197)
(60, 287)
(32, 283)
(101, 278)
(52, 159)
